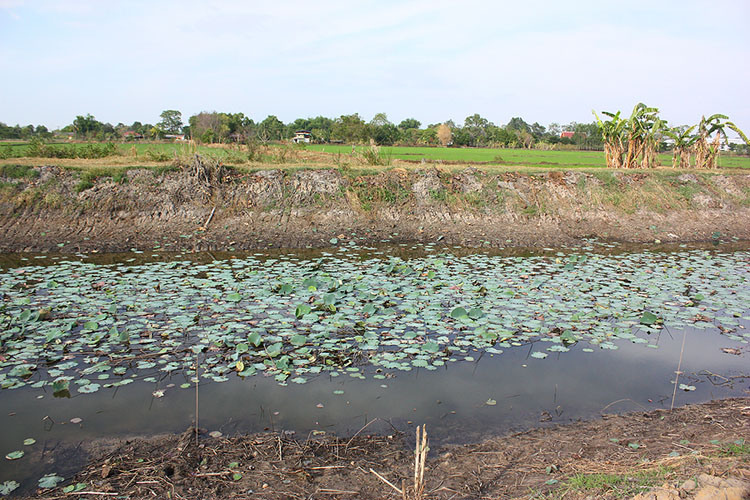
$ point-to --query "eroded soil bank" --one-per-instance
(50, 208)
(612, 457)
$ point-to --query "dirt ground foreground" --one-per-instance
(698, 451)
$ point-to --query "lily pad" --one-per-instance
(459, 313)
(50, 481)
(649, 318)
(8, 487)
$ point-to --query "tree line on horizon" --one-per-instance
(218, 127)
(476, 131)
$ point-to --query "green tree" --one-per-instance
(474, 131)
(386, 135)
(409, 123)
(537, 131)
(382, 131)
(272, 129)
(171, 121)
(85, 126)
(349, 128)
(205, 126)
(42, 132)
(517, 123)
(379, 120)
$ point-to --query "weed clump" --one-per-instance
(90, 176)
(371, 156)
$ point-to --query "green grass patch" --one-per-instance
(608, 178)
(687, 191)
(617, 485)
(745, 202)
(737, 449)
(439, 195)
(475, 200)
(369, 195)
(89, 176)
(531, 210)
(18, 172)
(8, 187)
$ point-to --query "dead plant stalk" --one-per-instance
(420, 458)
(678, 372)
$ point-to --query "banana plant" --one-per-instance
(653, 135)
(706, 153)
(683, 143)
(613, 135)
(644, 125)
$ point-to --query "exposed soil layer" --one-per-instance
(59, 209)
(659, 449)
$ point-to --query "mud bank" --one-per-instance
(49, 208)
(660, 451)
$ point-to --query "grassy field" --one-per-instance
(530, 157)
(160, 152)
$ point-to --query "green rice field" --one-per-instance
(491, 156)
(528, 157)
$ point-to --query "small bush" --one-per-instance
(253, 150)
(156, 155)
(37, 148)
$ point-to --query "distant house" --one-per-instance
(175, 137)
(302, 136)
(567, 135)
(130, 135)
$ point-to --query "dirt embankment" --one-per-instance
(51, 208)
(695, 452)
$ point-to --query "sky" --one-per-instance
(433, 60)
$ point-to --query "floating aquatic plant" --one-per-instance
(80, 327)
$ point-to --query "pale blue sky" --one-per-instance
(546, 61)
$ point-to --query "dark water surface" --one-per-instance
(482, 393)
